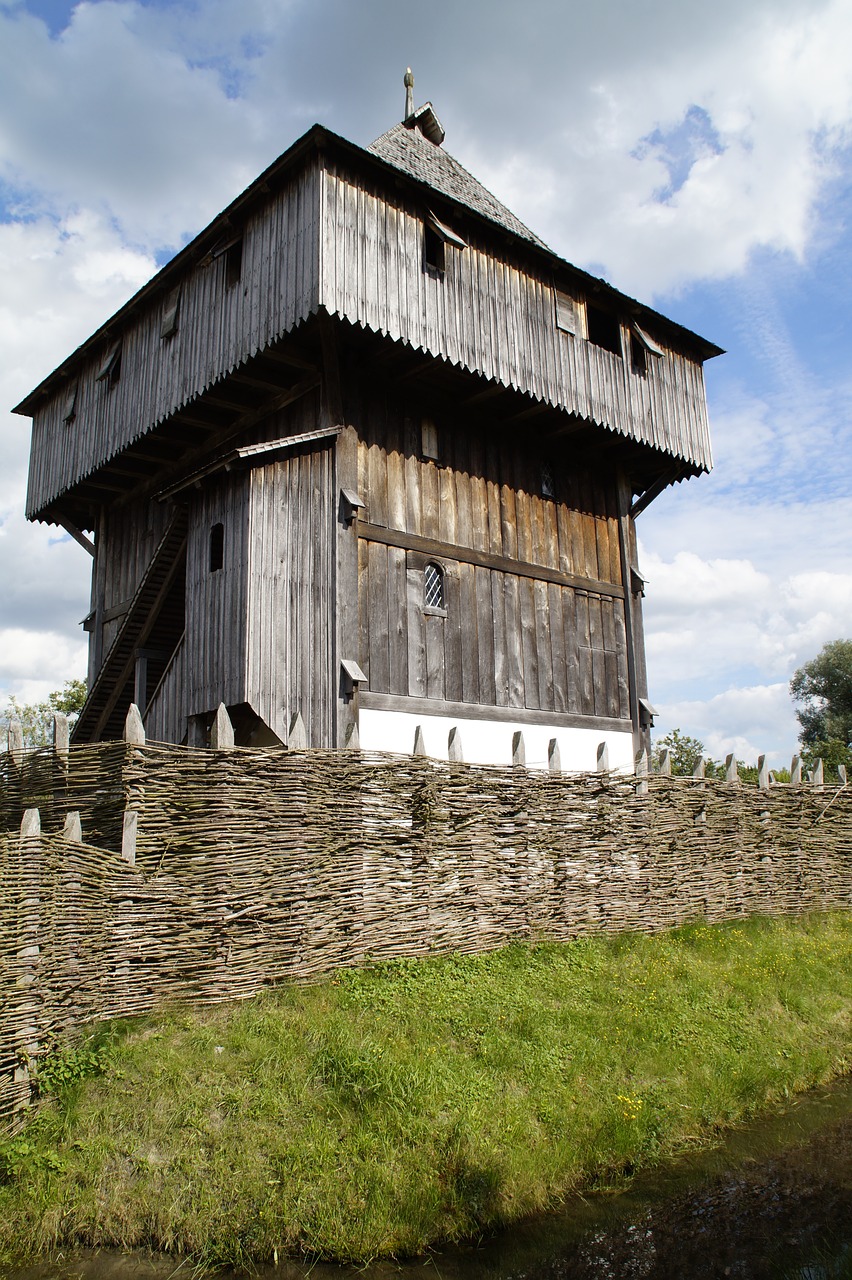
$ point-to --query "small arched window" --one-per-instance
(217, 547)
(433, 587)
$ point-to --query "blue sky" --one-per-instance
(701, 164)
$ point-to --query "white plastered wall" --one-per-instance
(490, 741)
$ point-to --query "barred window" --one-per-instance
(433, 587)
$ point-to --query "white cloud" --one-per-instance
(748, 721)
(774, 83)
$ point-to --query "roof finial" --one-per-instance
(408, 81)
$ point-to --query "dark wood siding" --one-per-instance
(130, 536)
(290, 584)
(488, 315)
(534, 599)
(218, 328)
(217, 604)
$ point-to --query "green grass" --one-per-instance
(391, 1108)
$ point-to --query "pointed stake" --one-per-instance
(700, 770)
(73, 828)
(352, 741)
(221, 730)
(419, 742)
(554, 756)
(134, 730)
(665, 768)
(297, 738)
(818, 775)
(129, 827)
(732, 773)
(641, 767)
(796, 771)
(603, 758)
(519, 751)
(762, 773)
(61, 734)
(16, 740)
(841, 774)
(454, 746)
(30, 823)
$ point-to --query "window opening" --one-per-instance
(234, 263)
(217, 547)
(434, 256)
(433, 587)
(548, 481)
(638, 359)
(170, 315)
(429, 440)
(69, 411)
(604, 329)
(566, 312)
(110, 370)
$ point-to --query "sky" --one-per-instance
(699, 157)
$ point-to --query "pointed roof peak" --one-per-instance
(406, 147)
(423, 118)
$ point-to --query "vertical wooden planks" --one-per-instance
(416, 632)
(397, 621)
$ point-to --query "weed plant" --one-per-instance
(387, 1109)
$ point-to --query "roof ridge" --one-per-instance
(406, 149)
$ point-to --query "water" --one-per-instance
(773, 1202)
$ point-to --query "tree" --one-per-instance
(37, 717)
(823, 688)
(685, 752)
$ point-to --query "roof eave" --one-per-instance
(318, 137)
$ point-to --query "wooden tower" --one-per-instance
(367, 450)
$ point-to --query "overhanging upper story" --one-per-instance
(398, 240)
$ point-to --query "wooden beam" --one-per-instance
(76, 534)
(654, 490)
(478, 711)
(485, 560)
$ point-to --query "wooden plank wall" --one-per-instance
(291, 607)
(131, 536)
(509, 639)
(166, 717)
(489, 316)
(217, 602)
(218, 328)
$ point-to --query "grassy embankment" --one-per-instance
(423, 1100)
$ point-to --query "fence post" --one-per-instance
(352, 741)
(732, 773)
(134, 729)
(29, 951)
(419, 742)
(796, 771)
(818, 775)
(762, 773)
(554, 756)
(519, 750)
(454, 746)
(15, 737)
(297, 738)
(665, 763)
(841, 774)
(602, 763)
(641, 764)
(700, 770)
(221, 730)
(61, 746)
(134, 735)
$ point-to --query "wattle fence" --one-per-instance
(132, 873)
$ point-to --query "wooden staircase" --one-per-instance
(155, 619)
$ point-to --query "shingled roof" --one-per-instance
(406, 149)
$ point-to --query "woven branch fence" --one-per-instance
(153, 873)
